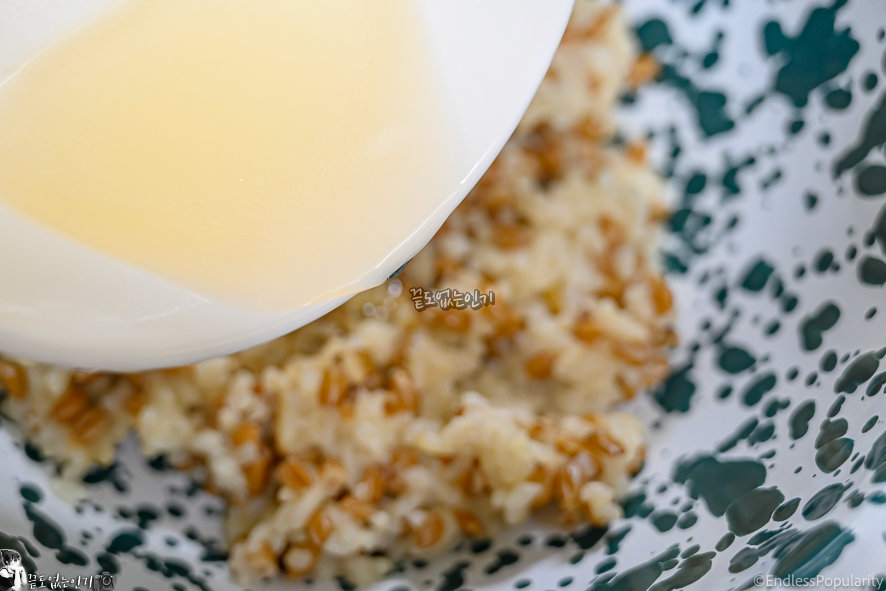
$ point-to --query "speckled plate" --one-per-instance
(767, 454)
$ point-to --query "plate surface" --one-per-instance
(767, 446)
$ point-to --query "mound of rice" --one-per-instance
(380, 431)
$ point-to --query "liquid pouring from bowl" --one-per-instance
(81, 291)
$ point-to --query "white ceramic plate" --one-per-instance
(767, 454)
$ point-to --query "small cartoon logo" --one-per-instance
(12, 573)
(104, 582)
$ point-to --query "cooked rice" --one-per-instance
(379, 431)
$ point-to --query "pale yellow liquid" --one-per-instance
(263, 153)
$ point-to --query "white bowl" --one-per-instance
(64, 303)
